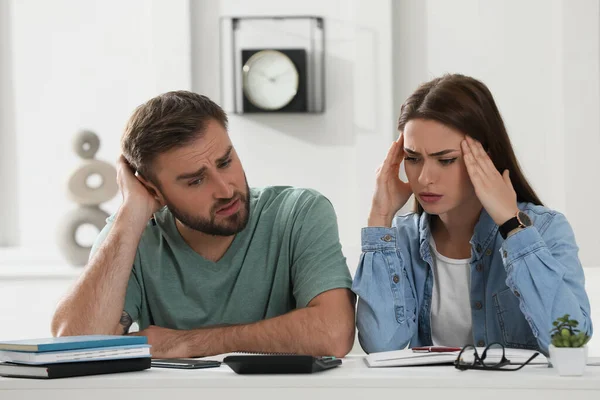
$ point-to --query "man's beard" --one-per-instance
(229, 226)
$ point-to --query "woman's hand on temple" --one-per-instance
(391, 193)
(495, 191)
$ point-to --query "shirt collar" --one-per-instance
(483, 236)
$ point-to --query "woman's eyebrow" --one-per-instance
(436, 154)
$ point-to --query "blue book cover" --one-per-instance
(72, 343)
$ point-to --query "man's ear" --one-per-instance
(151, 187)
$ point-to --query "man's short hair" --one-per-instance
(170, 120)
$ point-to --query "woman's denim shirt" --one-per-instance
(519, 286)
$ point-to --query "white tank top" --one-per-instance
(451, 322)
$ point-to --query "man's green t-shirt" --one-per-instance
(288, 253)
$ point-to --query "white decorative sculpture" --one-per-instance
(88, 196)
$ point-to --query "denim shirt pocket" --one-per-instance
(515, 329)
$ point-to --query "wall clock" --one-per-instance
(272, 65)
(274, 80)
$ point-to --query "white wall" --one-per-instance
(581, 122)
(8, 179)
(27, 305)
(84, 64)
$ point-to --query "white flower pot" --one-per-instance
(569, 361)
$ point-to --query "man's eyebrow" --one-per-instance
(226, 156)
(202, 171)
(436, 154)
(195, 174)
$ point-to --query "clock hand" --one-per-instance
(286, 78)
(280, 74)
(261, 73)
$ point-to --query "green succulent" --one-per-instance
(566, 334)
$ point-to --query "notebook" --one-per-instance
(72, 343)
(407, 357)
(66, 370)
(103, 353)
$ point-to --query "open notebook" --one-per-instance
(407, 357)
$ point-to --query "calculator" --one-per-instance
(280, 364)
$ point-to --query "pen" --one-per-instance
(435, 349)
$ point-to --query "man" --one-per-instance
(203, 263)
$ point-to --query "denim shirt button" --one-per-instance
(396, 278)
(481, 343)
(488, 252)
(504, 254)
(517, 293)
(387, 238)
(478, 248)
(478, 305)
(479, 267)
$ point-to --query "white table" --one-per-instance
(353, 380)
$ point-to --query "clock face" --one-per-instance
(270, 79)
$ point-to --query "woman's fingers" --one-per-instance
(399, 151)
(473, 168)
(391, 164)
(507, 181)
(481, 157)
(389, 157)
(400, 141)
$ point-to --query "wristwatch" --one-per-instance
(520, 220)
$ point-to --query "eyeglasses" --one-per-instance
(493, 358)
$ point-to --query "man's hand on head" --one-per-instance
(136, 191)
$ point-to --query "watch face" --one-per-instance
(524, 219)
(270, 79)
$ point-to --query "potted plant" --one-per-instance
(568, 351)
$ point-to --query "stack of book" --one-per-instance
(74, 356)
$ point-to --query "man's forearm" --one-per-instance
(95, 304)
(315, 330)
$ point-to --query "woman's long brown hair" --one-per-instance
(467, 105)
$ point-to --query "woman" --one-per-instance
(481, 260)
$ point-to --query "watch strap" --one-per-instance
(508, 226)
